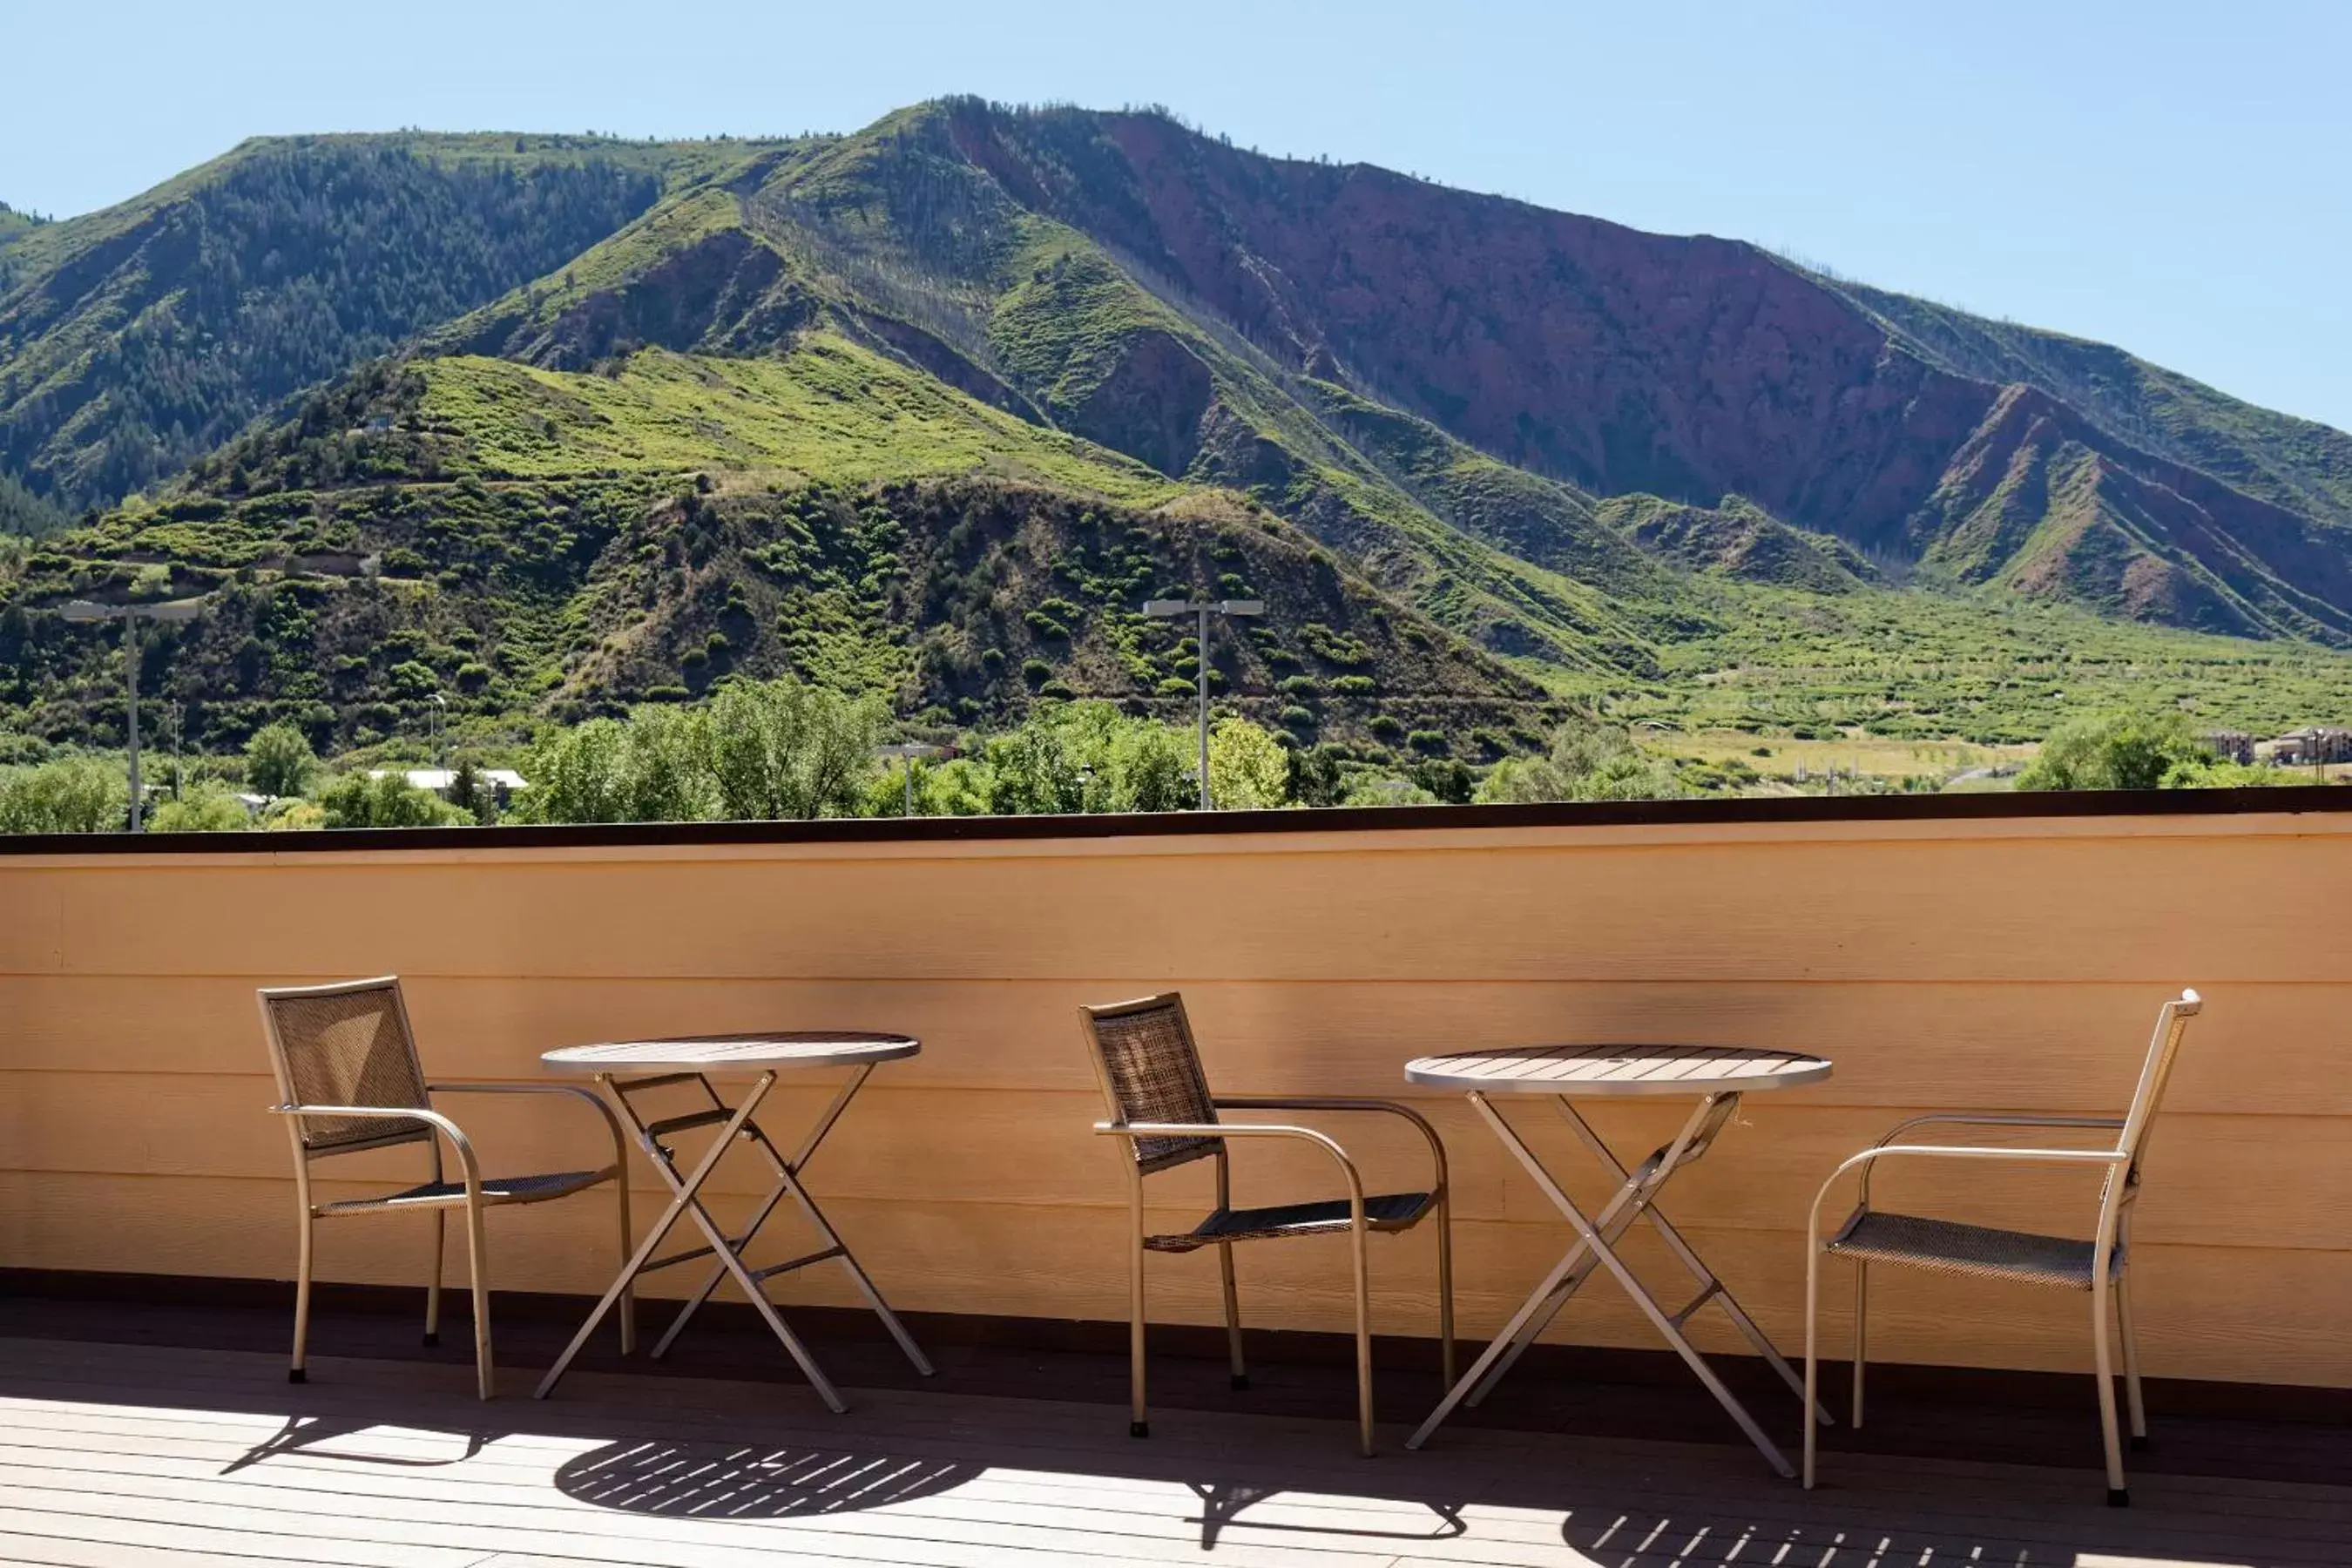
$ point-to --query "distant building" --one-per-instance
(2232, 745)
(501, 782)
(2313, 745)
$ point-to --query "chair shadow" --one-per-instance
(303, 1433)
(735, 1481)
(1221, 1504)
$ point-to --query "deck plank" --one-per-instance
(190, 1457)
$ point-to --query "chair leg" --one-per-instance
(1445, 1287)
(1240, 1369)
(627, 1305)
(1139, 1423)
(477, 1264)
(297, 1369)
(1363, 1346)
(2134, 1404)
(1812, 1358)
(1861, 1334)
(433, 1283)
(2102, 1355)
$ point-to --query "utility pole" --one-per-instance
(83, 610)
(906, 751)
(1167, 610)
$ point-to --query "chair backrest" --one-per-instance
(2155, 1073)
(347, 1044)
(1151, 1071)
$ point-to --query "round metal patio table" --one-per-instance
(751, 1062)
(1715, 1075)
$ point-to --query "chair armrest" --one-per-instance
(1997, 1119)
(577, 1091)
(1868, 1158)
(1134, 1130)
(1329, 1102)
(1984, 1119)
(469, 1167)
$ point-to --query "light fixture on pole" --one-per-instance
(440, 731)
(83, 610)
(906, 751)
(1167, 610)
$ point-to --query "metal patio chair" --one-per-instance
(348, 1080)
(1149, 1070)
(2099, 1267)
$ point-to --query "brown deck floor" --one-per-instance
(166, 1434)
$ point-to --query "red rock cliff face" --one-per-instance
(1625, 362)
(1619, 360)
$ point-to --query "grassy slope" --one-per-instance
(830, 410)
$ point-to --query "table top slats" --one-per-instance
(1602, 1070)
(756, 1051)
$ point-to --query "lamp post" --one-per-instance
(83, 610)
(1167, 610)
(906, 752)
(440, 731)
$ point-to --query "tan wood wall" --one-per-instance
(2014, 963)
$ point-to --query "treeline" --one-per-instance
(296, 264)
(784, 750)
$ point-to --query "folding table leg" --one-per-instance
(682, 1192)
(789, 1183)
(685, 1200)
(1634, 1197)
(1591, 1240)
(1710, 1284)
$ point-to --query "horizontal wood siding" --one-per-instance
(2014, 963)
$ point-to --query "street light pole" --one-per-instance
(83, 610)
(1169, 609)
(906, 751)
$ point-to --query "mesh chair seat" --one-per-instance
(1982, 1251)
(495, 1191)
(1390, 1211)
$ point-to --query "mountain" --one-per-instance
(558, 424)
(136, 339)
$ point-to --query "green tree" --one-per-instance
(2115, 751)
(1150, 768)
(278, 761)
(200, 810)
(576, 774)
(665, 767)
(72, 794)
(355, 800)
(1374, 788)
(1589, 759)
(1316, 777)
(782, 749)
(1248, 770)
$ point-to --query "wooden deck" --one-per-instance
(131, 1450)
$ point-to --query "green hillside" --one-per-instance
(554, 543)
(136, 339)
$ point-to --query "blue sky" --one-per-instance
(2168, 176)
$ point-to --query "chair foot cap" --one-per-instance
(2140, 1444)
(1241, 1381)
(432, 1338)
(297, 1374)
(2119, 1496)
(1138, 1428)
